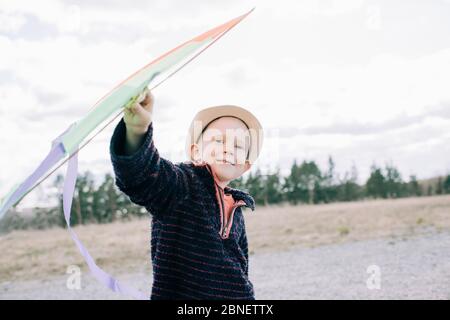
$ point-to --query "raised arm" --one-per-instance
(148, 179)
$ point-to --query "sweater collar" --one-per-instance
(237, 194)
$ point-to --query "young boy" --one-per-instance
(199, 244)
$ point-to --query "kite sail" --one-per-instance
(66, 146)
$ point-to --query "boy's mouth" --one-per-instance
(223, 161)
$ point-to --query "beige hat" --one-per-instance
(206, 116)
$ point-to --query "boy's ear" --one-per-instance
(195, 153)
(247, 165)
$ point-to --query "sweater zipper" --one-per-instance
(224, 232)
(222, 213)
(225, 229)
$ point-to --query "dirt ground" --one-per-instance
(30, 259)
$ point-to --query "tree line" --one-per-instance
(92, 203)
(306, 183)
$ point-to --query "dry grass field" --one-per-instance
(122, 247)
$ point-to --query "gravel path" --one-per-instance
(409, 268)
(414, 268)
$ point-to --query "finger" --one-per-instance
(130, 103)
(138, 109)
(147, 96)
(141, 96)
(148, 101)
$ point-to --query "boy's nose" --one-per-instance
(229, 156)
(228, 153)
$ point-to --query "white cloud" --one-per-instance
(302, 64)
(11, 23)
(51, 12)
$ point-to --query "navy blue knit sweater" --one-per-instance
(193, 255)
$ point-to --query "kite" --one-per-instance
(66, 146)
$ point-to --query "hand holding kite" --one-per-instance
(137, 118)
(138, 115)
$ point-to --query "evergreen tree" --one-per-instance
(430, 190)
(349, 190)
(376, 184)
(272, 188)
(304, 183)
(414, 187)
(393, 182)
(255, 186)
(440, 186)
(83, 200)
(329, 188)
(292, 189)
(447, 184)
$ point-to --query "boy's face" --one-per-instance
(224, 145)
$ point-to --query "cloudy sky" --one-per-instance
(364, 81)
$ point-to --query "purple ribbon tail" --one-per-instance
(56, 153)
(54, 156)
(96, 271)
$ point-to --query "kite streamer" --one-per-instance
(66, 146)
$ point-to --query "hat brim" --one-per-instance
(206, 116)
